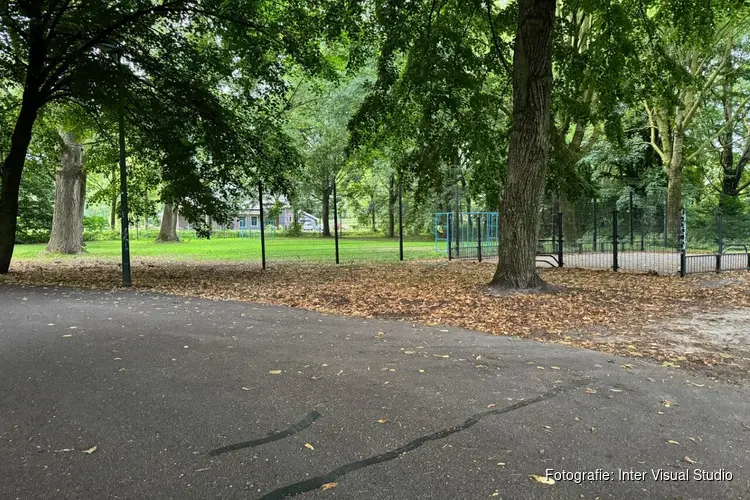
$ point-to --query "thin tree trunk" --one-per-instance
(67, 218)
(10, 177)
(392, 207)
(115, 197)
(326, 211)
(372, 208)
(82, 204)
(570, 222)
(168, 228)
(529, 147)
(145, 218)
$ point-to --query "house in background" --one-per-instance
(249, 217)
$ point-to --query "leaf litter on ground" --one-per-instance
(617, 313)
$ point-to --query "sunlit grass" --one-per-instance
(245, 249)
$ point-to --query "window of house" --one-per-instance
(254, 220)
(243, 222)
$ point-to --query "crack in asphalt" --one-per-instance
(317, 482)
(274, 436)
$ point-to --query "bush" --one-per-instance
(95, 223)
(32, 236)
(295, 230)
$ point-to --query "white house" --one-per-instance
(249, 217)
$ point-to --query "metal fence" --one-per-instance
(338, 232)
(625, 233)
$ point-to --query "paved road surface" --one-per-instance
(181, 400)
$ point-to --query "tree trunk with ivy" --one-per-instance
(528, 154)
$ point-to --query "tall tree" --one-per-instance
(70, 195)
(686, 53)
(168, 228)
(529, 147)
(177, 56)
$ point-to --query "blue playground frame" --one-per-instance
(472, 227)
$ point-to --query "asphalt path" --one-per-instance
(185, 398)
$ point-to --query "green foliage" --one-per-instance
(203, 83)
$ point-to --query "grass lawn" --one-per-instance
(248, 249)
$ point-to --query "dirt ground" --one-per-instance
(701, 322)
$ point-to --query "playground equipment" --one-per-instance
(466, 234)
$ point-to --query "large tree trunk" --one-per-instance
(326, 212)
(529, 148)
(674, 186)
(168, 228)
(12, 168)
(67, 217)
(10, 176)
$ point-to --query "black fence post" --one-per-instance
(262, 227)
(720, 240)
(335, 221)
(615, 264)
(643, 230)
(448, 235)
(666, 208)
(560, 239)
(683, 243)
(596, 225)
(458, 224)
(400, 226)
(479, 237)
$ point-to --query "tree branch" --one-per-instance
(653, 128)
(709, 141)
(706, 86)
(495, 40)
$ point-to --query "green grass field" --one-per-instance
(247, 250)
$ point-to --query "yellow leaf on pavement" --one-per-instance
(90, 450)
(542, 479)
(309, 446)
(275, 372)
(329, 486)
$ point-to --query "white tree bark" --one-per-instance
(168, 229)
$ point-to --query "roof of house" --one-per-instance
(268, 201)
